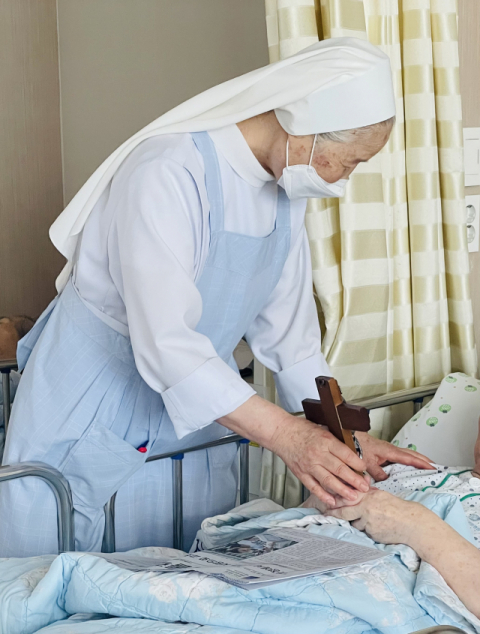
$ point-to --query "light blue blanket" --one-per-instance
(387, 596)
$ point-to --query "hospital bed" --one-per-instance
(61, 488)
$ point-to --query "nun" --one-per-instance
(187, 238)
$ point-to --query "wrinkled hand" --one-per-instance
(312, 502)
(378, 452)
(384, 517)
(320, 461)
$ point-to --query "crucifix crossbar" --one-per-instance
(342, 419)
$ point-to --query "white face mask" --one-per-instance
(302, 181)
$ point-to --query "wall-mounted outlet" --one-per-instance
(472, 221)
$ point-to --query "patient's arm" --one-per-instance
(391, 520)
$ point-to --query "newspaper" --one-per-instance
(264, 559)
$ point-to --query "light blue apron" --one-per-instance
(83, 408)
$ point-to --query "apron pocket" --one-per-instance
(98, 465)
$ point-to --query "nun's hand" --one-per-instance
(378, 452)
(324, 465)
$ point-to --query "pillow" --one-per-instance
(446, 428)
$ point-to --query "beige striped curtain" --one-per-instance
(390, 260)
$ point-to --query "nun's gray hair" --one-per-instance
(356, 134)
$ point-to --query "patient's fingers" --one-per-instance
(315, 488)
(348, 513)
(340, 502)
(360, 524)
(368, 479)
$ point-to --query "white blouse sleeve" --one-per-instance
(286, 336)
(157, 229)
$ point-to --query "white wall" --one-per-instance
(469, 44)
(30, 156)
(123, 63)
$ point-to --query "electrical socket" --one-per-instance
(472, 220)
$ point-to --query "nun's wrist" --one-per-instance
(260, 421)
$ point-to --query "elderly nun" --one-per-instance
(189, 237)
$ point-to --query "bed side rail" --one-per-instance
(55, 480)
(6, 366)
(415, 394)
(61, 490)
(177, 482)
(403, 396)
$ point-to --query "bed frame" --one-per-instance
(63, 496)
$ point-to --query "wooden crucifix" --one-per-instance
(342, 419)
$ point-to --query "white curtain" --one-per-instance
(390, 260)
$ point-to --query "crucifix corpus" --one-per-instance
(342, 419)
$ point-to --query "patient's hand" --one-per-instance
(384, 517)
(312, 502)
(391, 520)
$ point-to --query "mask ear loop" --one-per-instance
(288, 139)
(313, 149)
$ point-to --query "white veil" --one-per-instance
(336, 84)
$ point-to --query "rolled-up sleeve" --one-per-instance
(157, 231)
(286, 336)
(298, 381)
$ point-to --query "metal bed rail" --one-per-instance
(394, 398)
(56, 481)
(6, 366)
(415, 394)
(61, 490)
(177, 485)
